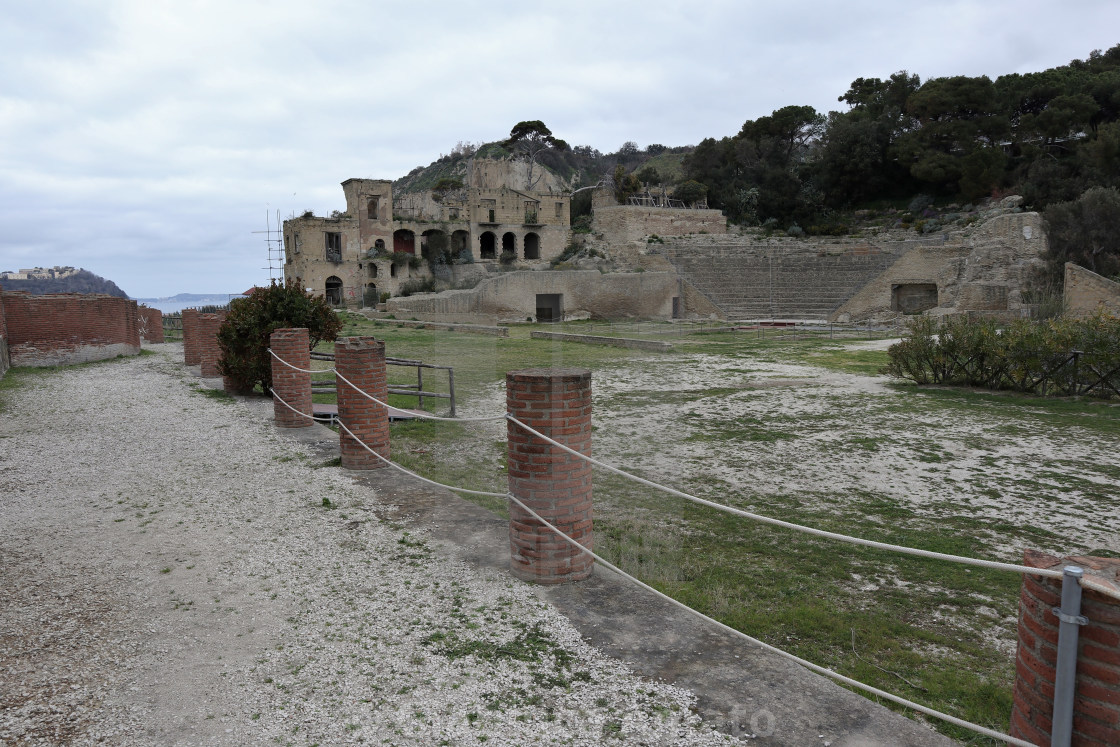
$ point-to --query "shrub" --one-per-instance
(244, 336)
(418, 286)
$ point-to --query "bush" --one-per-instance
(1066, 356)
(244, 336)
(418, 286)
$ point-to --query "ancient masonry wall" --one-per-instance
(1085, 292)
(5, 361)
(513, 296)
(63, 329)
(629, 223)
(151, 324)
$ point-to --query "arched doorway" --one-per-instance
(404, 241)
(509, 245)
(460, 246)
(333, 290)
(532, 246)
(433, 246)
(486, 245)
(371, 297)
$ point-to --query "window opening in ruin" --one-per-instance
(550, 307)
(373, 207)
(334, 291)
(509, 247)
(490, 216)
(372, 270)
(913, 298)
(393, 270)
(371, 298)
(531, 212)
(404, 241)
(676, 307)
(486, 245)
(532, 246)
(453, 213)
(559, 210)
(379, 245)
(334, 247)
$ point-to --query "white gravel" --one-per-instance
(171, 576)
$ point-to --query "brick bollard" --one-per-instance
(190, 337)
(208, 351)
(1096, 708)
(294, 387)
(555, 484)
(362, 361)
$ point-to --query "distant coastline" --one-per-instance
(181, 301)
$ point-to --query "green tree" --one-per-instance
(530, 140)
(625, 184)
(244, 335)
(1086, 231)
(690, 192)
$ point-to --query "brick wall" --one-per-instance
(1096, 716)
(67, 328)
(151, 324)
(1085, 291)
(361, 360)
(191, 353)
(5, 362)
(209, 352)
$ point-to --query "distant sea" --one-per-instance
(187, 301)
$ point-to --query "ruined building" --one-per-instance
(386, 245)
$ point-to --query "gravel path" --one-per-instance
(171, 576)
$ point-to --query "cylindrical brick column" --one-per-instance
(208, 351)
(1096, 707)
(294, 387)
(190, 337)
(552, 482)
(362, 361)
(151, 324)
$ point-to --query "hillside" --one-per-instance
(81, 281)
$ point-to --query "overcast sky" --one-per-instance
(146, 140)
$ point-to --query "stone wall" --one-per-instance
(621, 224)
(1085, 292)
(585, 293)
(63, 329)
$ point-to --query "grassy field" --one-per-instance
(802, 428)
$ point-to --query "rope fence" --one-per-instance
(927, 554)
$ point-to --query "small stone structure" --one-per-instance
(61, 329)
(361, 361)
(1096, 715)
(553, 483)
(5, 359)
(1085, 292)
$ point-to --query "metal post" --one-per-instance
(451, 388)
(1065, 675)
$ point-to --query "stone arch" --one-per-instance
(404, 241)
(333, 290)
(532, 246)
(433, 245)
(372, 208)
(393, 270)
(372, 270)
(371, 296)
(509, 243)
(460, 245)
(379, 246)
(487, 245)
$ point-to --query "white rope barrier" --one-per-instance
(976, 728)
(415, 413)
(995, 565)
(772, 649)
(390, 462)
